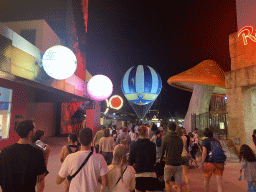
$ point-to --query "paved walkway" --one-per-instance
(230, 181)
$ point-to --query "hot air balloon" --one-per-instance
(141, 85)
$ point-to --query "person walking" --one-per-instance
(213, 159)
(97, 138)
(106, 146)
(93, 171)
(121, 176)
(133, 135)
(193, 148)
(72, 147)
(248, 166)
(143, 158)
(38, 142)
(157, 139)
(125, 139)
(21, 164)
(172, 146)
(253, 141)
(184, 157)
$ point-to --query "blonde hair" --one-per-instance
(119, 155)
(142, 130)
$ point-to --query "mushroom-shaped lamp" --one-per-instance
(204, 80)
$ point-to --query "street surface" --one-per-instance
(230, 177)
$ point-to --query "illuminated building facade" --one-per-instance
(27, 92)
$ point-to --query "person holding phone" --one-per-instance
(22, 165)
(38, 142)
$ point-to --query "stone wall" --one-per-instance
(240, 83)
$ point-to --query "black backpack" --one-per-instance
(69, 149)
(216, 155)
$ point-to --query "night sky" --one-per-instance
(170, 36)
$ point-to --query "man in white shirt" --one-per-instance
(93, 173)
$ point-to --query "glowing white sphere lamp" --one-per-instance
(59, 62)
(99, 87)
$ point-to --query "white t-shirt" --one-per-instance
(126, 184)
(87, 178)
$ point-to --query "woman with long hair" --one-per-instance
(193, 149)
(121, 176)
(184, 157)
(72, 147)
(38, 142)
(248, 166)
(133, 134)
(106, 146)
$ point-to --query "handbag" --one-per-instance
(70, 177)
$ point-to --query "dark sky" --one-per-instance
(170, 36)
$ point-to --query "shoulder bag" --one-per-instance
(70, 177)
(120, 177)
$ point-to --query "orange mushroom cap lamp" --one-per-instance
(205, 73)
(204, 80)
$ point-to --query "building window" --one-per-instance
(5, 112)
(29, 35)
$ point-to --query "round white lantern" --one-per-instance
(59, 62)
(99, 87)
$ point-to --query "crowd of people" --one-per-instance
(134, 158)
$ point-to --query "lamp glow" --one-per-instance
(99, 87)
(59, 62)
(116, 102)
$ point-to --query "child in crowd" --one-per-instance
(248, 166)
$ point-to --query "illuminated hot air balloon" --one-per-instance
(141, 85)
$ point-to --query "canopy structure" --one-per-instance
(204, 80)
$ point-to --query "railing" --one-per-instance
(216, 121)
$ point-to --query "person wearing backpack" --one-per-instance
(213, 159)
(85, 169)
(113, 132)
(72, 147)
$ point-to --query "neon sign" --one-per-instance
(249, 31)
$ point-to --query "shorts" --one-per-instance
(146, 183)
(185, 160)
(213, 168)
(173, 171)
